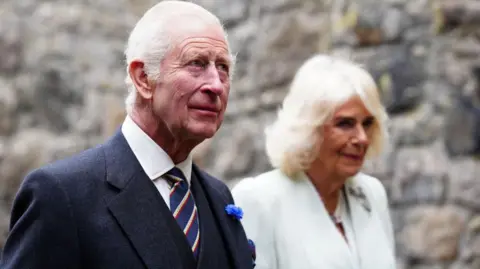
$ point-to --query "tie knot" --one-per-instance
(176, 174)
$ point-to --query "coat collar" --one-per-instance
(370, 235)
(313, 224)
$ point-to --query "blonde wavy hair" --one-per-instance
(321, 85)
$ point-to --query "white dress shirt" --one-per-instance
(153, 159)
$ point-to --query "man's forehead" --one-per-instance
(199, 40)
(195, 47)
(203, 42)
(192, 31)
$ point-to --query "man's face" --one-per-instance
(190, 97)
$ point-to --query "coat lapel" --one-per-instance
(370, 241)
(141, 212)
(322, 244)
(217, 203)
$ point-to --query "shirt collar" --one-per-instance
(153, 159)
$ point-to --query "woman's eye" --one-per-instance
(345, 124)
(368, 123)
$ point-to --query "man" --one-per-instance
(137, 201)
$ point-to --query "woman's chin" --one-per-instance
(349, 171)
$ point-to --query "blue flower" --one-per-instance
(234, 211)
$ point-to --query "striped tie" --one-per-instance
(183, 208)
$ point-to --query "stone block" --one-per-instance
(24, 152)
(11, 43)
(114, 114)
(379, 24)
(372, 23)
(284, 41)
(464, 187)
(399, 73)
(236, 149)
(231, 14)
(432, 234)
(4, 225)
(423, 125)
(473, 232)
(462, 130)
(470, 249)
(457, 13)
(420, 175)
(28, 150)
(382, 167)
(8, 108)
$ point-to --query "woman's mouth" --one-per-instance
(355, 157)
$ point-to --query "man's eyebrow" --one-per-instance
(191, 53)
(225, 58)
(196, 53)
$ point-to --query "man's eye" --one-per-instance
(223, 67)
(198, 63)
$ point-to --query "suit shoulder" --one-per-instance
(80, 162)
(71, 171)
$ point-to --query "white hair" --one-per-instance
(151, 38)
(320, 85)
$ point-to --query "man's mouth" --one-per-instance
(210, 111)
(212, 108)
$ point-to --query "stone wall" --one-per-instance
(61, 72)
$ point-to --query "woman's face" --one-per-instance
(346, 137)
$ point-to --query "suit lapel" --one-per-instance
(141, 212)
(369, 239)
(217, 202)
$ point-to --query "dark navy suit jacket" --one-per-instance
(98, 209)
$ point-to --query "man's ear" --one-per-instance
(140, 79)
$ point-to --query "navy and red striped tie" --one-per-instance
(183, 208)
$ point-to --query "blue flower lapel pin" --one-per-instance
(358, 193)
(234, 211)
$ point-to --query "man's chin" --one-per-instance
(203, 131)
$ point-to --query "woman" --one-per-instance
(316, 209)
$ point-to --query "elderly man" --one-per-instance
(137, 201)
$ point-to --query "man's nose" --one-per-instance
(214, 83)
